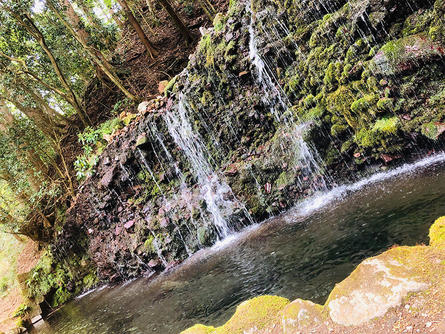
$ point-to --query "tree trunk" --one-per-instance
(92, 20)
(96, 56)
(177, 21)
(116, 18)
(208, 8)
(34, 31)
(74, 19)
(148, 45)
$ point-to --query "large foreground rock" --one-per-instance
(399, 291)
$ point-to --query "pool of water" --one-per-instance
(300, 254)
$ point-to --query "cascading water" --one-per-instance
(217, 194)
(147, 167)
(158, 250)
(274, 95)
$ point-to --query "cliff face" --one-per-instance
(278, 101)
(390, 293)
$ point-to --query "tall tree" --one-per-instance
(185, 32)
(25, 20)
(137, 27)
(87, 9)
(96, 56)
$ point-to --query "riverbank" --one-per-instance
(399, 291)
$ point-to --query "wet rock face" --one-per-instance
(361, 81)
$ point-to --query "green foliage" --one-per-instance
(219, 22)
(21, 311)
(366, 138)
(120, 106)
(50, 278)
(388, 125)
(94, 141)
(25, 158)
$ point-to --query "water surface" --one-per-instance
(300, 254)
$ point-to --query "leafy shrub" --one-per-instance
(21, 311)
(94, 141)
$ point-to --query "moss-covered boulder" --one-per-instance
(406, 54)
(437, 233)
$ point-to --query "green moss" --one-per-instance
(339, 103)
(199, 329)
(315, 113)
(430, 130)
(21, 311)
(169, 88)
(20, 323)
(206, 98)
(309, 101)
(230, 52)
(366, 138)
(285, 179)
(346, 146)
(219, 22)
(385, 104)
(60, 297)
(346, 73)
(417, 23)
(338, 128)
(51, 279)
(149, 246)
(437, 233)
(207, 48)
(436, 32)
(333, 74)
(89, 281)
(365, 105)
(255, 313)
(389, 125)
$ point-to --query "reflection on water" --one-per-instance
(294, 256)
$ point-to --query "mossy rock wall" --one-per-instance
(362, 81)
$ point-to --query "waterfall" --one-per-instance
(274, 95)
(216, 193)
(147, 167)
(158, 251)
(165, 201)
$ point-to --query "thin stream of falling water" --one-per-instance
(127, 174)
(184, 193)
(147, 167)
(273, 92)
(158, 251)
(215, 193)
(117, 196)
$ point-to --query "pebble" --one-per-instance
(428, 324)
